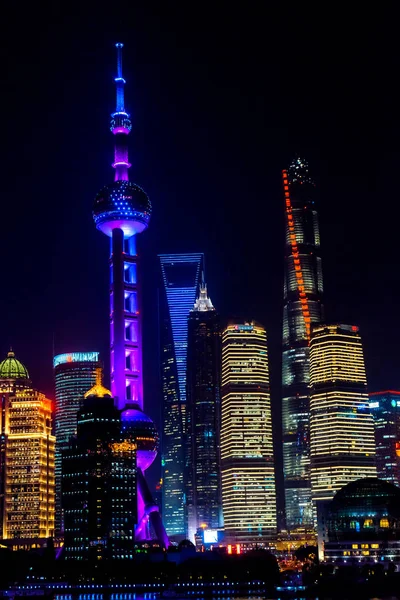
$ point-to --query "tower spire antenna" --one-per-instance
(119, 80)
(120, 124)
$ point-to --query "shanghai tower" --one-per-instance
(121, 211)
(303, 290)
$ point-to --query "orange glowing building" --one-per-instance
(27, 473)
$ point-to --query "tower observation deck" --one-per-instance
(121, 211)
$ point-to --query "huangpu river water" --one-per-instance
(151, 596)
(189, 596)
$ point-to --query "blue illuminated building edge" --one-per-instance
(73, 357)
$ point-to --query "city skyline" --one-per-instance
(348, 271)
(349, 169)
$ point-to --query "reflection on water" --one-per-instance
(150, 596)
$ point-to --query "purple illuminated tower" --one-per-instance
(122, 210)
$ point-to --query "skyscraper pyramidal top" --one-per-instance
(203, 302)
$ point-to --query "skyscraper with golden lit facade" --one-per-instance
(13, 376)
(247, 462)
(342, 438)
(27, 475)
(29, 497)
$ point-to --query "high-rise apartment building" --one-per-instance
(341, 425)
(203, 472)
(303, 288)
(99, 483)
(181, 274)
(385, 409)
(29, 480)
(247, 461)
(75, 374)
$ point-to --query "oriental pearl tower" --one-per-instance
(121, 211)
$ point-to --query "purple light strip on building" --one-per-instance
(126, 330)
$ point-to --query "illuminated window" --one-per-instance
(365, 552)
(384, 523)
(364, 545)
(368, 523)
(354, 546)
(375, 546)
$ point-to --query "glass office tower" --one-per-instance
(385, 409)
(181, 274)
(75, 374)
(341, 425)
(303, 290)
(203, 480)
(247, 460)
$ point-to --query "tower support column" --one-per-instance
(118, 386)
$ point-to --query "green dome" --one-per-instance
(11, 368)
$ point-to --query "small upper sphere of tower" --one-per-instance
(123, 205)
(11, 368)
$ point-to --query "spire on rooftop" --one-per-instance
(203, 302)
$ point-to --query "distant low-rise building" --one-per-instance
(361, 524)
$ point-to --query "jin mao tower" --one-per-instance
(121, 211)
(203, 485)
(302, 306)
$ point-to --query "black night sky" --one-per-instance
(220, 99)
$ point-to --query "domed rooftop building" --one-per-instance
(13, 374)
(362, 523)
(11, 368)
